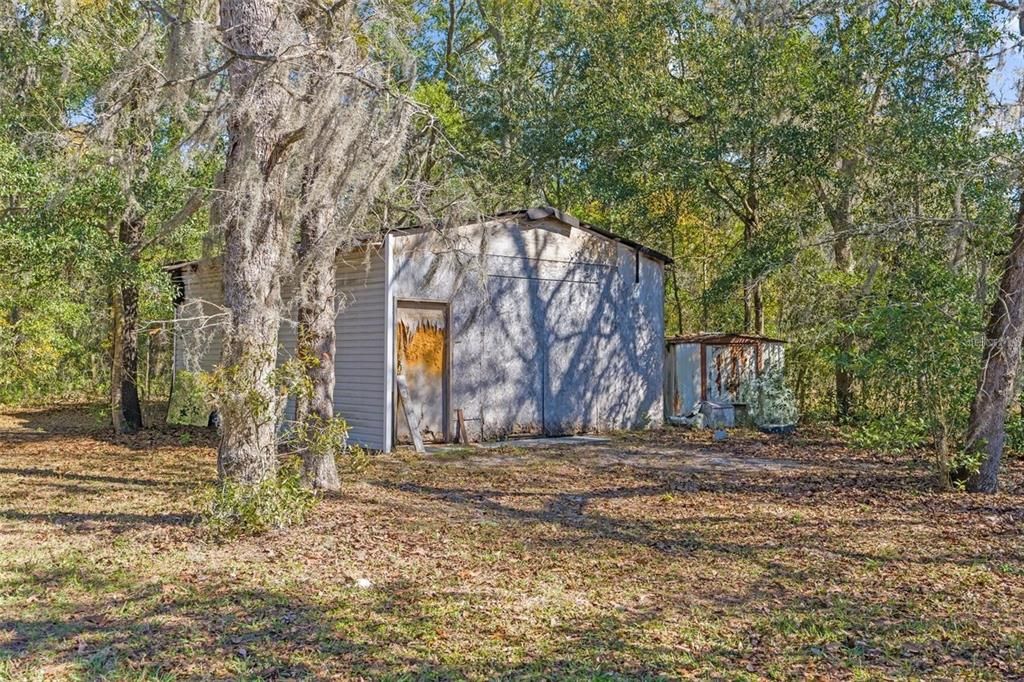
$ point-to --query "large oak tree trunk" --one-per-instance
(255, 240)
(316, 344)
(986, 430)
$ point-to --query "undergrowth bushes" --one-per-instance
(230, 510)
(1015, 434)
(891, 434)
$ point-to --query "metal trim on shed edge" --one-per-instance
(389, 341)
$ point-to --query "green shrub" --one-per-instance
(1015, 433)
(190, 402)
(231, 510)
(962, 466)
(319, 436)
(769, 402)
(357, 459)
(892, 433)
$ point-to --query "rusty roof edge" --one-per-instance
(646, 250)
(712, 337)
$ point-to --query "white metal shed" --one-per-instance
(527, 322)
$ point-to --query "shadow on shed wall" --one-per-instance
(551, 331)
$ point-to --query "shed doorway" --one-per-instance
(421, 364)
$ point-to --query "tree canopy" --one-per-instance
(837, 173)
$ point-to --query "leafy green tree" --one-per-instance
(114, 186)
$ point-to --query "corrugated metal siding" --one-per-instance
(686, 374)
(360, 390)
(773, 356)
(728, 366)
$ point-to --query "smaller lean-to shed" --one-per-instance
(713, 368)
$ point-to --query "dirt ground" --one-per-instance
(659, 555)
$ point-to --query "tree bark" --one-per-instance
(986, 430)
(131, 406)
(255, 239)
(674, 274)
(116, 356)
(130, 413)
(840, 217)
(316, 343)
(758, 309)
(753, 300)
(844, 377)
(748, 290)
(159, 351)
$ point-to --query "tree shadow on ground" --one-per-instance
(128, 628)
(113, 521)
(559, 520)
(124, 627)
(262, 633)
(36, 472)
(53, 424)
(909, 489)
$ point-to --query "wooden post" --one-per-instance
(703, 372)
(461, 422)
(410, 416)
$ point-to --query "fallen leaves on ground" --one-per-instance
(656, 555)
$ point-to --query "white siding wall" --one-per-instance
(361, 386)
(200, 318)
(360, 392)
(549, 330)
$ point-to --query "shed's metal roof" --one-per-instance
(177, 265)
(542, 212)
(536, 213)
(713, 338)
(549, 212)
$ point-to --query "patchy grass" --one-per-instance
(659, 555)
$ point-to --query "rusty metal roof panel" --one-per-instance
(719, 338)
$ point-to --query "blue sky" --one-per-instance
(1003, 81)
